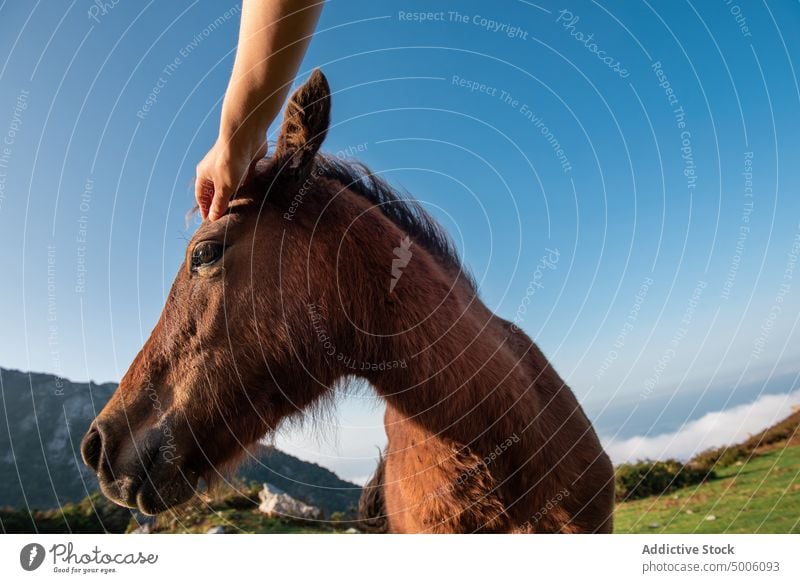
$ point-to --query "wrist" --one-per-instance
(245, 118)
(240, 137)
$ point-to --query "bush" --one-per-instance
(652, 478)
(243, 501)
(722, 456)
(779, 434)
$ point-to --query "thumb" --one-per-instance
(220, 203)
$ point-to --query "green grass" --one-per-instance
(237, 522)
(236, 512)
(758, 496)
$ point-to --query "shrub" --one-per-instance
(721, 456)
(779, 434)
(654, 478)
(244, 501)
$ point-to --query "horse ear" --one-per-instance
(305, 122)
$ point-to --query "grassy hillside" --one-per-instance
(761, 495)
(756, 489)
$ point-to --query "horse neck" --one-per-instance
(479, 395)
(452, 366)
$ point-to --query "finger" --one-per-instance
(204, 193)
(220, 203)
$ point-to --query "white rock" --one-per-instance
(711, 517)
(146, 528)
(216, 530)
(278, 504)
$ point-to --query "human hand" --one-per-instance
(222, 171)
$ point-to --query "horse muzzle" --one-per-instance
(138, 471)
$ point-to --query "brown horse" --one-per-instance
(319, 273)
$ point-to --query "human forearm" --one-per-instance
(273, 39)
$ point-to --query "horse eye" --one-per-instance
(205, 254)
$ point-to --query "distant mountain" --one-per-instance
(43, 419)
(305, 481)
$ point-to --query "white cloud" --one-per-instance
(711, 430)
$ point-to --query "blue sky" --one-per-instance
(674, 222)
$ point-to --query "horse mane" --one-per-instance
(399, 207)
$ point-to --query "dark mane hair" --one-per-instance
(399, 207)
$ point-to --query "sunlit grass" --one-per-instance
(758, 496)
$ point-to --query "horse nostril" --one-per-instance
(92, 447)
